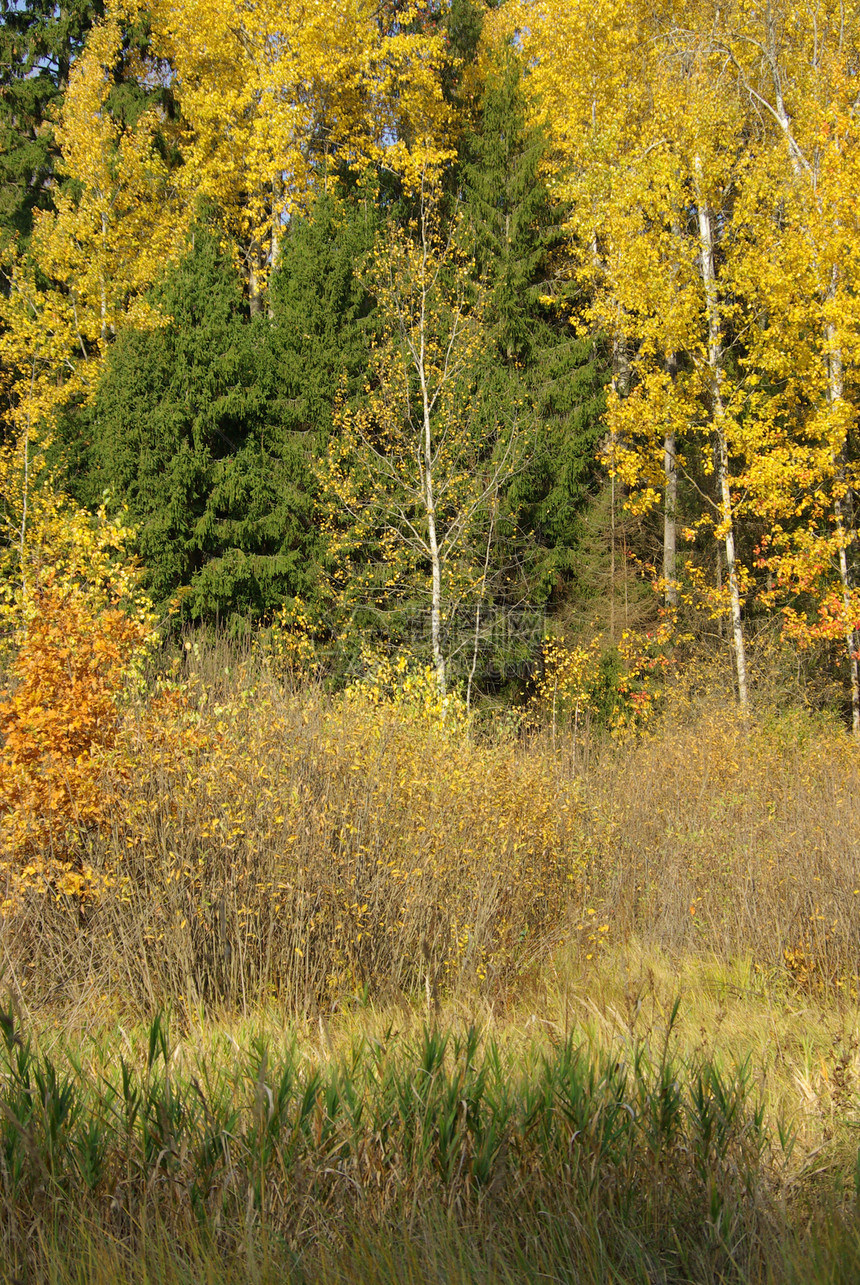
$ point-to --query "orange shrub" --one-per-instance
(58, 717)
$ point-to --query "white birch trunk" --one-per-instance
(715, 363)
(429, 490)
(102, 286)
(255, 293)
(670, 539)
(621, 387)
(852, 642)
(435, 561)
(801, 168)
(670, 508)
(612, 559)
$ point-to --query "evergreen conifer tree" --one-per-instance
(541, 369)
(318, 339)
(179, 436)
(175, 407)
(208, 428)
(38, 42)
(314, 358)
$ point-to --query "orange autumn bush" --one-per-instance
(57, 719)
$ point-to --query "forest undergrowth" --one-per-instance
(250, 839)
(333, 987)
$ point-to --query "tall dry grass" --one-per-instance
(274, 848)
(383, 1148)
(716, 834)
(269, 843)
(631, 1161)
(266, 843)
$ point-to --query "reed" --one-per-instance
(600, 1159)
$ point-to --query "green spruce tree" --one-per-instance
(318, 340)
(175, 407)
(178, 435)
(38, 43)
(540, 369)
(207, 429)
(315, 356)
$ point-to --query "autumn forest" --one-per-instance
(429, 641)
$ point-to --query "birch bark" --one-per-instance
(721, 451)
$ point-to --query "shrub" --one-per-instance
(57, 719)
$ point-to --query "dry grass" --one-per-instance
(635, 1120)
(667, 1158)
(273, 845)
(660, 935)
(716, 836)
(266, 844)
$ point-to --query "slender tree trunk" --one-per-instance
(670, 534)
(255, 292)
(670, 507)
(612, 559)
(435, 562)
(801, 170)
(480, 603)
(255, 261)
(277, 233)
(715, 363)
(276, 249)
(731, 570)
(620, 386)
(624, 572)
(844, 535)
(429, 495)
(103, 289)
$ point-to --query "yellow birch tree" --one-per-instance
(798, 268)
(269, 95)
(713, 172)
(414, 471)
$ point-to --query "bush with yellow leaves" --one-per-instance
(290, 644)
(617, 686)
(408, 685)
(265, 842)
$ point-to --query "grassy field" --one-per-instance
(367, 996)
(650, 1119)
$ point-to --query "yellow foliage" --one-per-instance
(569, 689)
(267, 95)
(660, 149)
(410, 687)
(370, 837)
(569, 675)
(290, 643)
(74, 623)
(116, 222)
(47, 538)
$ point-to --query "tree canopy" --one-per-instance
(646, 218)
